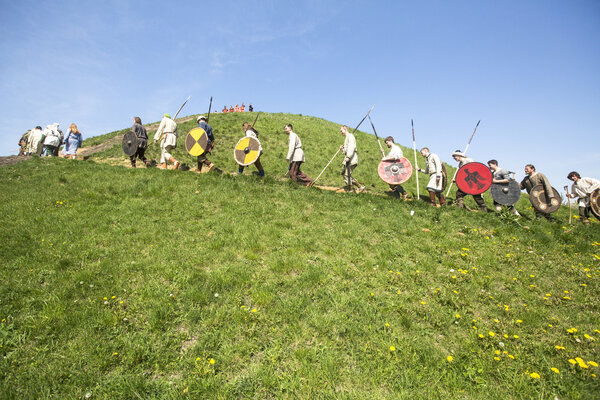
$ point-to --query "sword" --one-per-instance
(177, 113)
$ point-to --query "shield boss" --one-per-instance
(246, 151)
(541, 202)
(506, 194)
(395, 172)
(130, 143)
(595, 202)
(474, 178)
(196, 142)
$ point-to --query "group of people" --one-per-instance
(237, 108)
(47, 141)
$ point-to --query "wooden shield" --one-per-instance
(246, 151)
(474, 178)
(540, 201)
(395, 172)
(130, 143)
(506, 194)
(595, 202)
(196, 142)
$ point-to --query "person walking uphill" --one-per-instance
(53, 139)
(295, 157)
(583, 188)
(436, 183)
(251, 132)
(350, 160)
(142, 139)
(73, 141)
(395, 154)
(533, 179)
(460, 195)
(167, 134)
(201, 120)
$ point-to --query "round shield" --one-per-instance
(474, 178)
(246, 151)
(130, 143)
(395, 172)
(196, 141)
(506, 194)
(540, 201)
(595, 202)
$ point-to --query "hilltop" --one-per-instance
(143, 283)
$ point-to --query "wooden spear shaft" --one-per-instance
(465, 153)
(377, 137)
(569, 198)
(415, 151)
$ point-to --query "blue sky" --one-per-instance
(527, 69)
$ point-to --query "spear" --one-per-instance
(415, 151)
(209, 106)
(378, 142)
(569, 198)
(177, 113)
(255, 119)
(465, 153)
(336, 153)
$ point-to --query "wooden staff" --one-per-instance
(465, 153)
(209, 106)
(255, 119)
(177, 113)
(569, 198)
(415, 151)
(336, 153)
(377, 137)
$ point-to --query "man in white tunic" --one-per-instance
(35, 140)
(583, 188)
(395, 154)
(350, 160)
(167, 134)
(434, 169)
(295, 157)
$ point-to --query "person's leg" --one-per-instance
(440, 196)
(583, 215)
(432, 197)
(460, 198)
(261, 171)
(480, 202)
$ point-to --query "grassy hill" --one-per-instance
(142, 283)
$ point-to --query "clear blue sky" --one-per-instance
(528, 69)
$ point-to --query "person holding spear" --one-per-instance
(434, 169)
(350, 160)
(395, 154)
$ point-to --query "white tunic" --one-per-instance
(251, 133)
(583, 188)
(350, 149)
(434, 169)
(52, 136)
(295, 152)
(34, 139)
(169, 128)
(395, 153)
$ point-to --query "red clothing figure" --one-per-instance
(237, 108)
(243, 108)
(230, 108)
(224, 109)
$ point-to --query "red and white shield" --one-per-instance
(474, 178)
(395, 172)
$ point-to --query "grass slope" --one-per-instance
(125, 283)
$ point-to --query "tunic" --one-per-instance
(295, 152)
(35, 138)
(169, 128)
(395, 153)
(537, 179)
(72, 143)
(433, 167)
(350, 149)
(584, 188)
(251, 133)
(52, 136)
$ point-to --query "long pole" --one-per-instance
(336, 153)
(177, 113)
(209, 106)
(415, 151)
(377, 137)
(465, 153)
(255, 119)
(568, 197)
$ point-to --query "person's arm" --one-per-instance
(547, 187)
(159, 131)
(291, 147)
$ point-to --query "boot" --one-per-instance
(442, 199)
(432, 198)
(460, 203)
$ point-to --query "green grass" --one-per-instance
(111, 275)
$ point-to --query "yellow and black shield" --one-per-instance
(196, 142)
(246, 151)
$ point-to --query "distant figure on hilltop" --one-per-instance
(295, 157)
(250, 108)
(394, 154)
(53, 139)
(583, 188)
(231, 109)
(237, 108)
(225, 110)
(167, 134)
(437, 179)
(34, 144)
(350, 160)
(142, 140)
(242, 108)
(533, 179)
(73, 141)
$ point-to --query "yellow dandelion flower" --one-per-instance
(519, 321)
(555, 370)
(449, 358)
(573, 362)
(559, 347)
(535, 375)
(497, 358)
(197, 358)
(254, 310)
(492, 334)
(481, 335)
(511, 356)
(386, 324)
(496, 320)
(592, 363)
(516, 336)
(581, 363)
(588, 337)
(211, 361)
(392, 348)
(497, 352)
(457, 315)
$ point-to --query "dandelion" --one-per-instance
(535, 375)
(516, 336)
(197, 358)
(449, 358)
(481, 336)
(573, 362)
(211, 361)
(387, 325)
(497, 358)
(519, 321)
(392, 348)
(588, 337)
(557, 347)
(511, 356)
(581, 363)
(497, 352)
(457, 315)
(555, 370)
(593, 364)
(254, 310)
(492, 334)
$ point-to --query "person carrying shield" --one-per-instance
(460, 195)
(500, 175)
(251, 132)
(395, 154)
(535, 178)
(167, 134)
(350, 160)
(211, 143)
(142, 140)
(583, 188)
(434, 169)
(295, 157)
